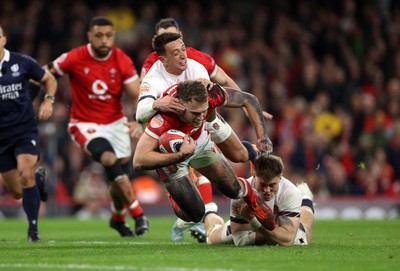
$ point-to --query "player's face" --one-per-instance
(267, 188)
(195, 113)
(175, 59)
(102, 39)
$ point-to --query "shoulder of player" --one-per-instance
(154, 72)
(25, 62)
(151, 59)
(218, 93)
(78, 52)
(20, 58)
(152, 79)
(288, 188)
(119, 52)
(195, 54)
(193, 65)
(203, 58)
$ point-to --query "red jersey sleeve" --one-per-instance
(66, 60)
(127, 67)
(148, 62)
(204, 59)
(217, 96)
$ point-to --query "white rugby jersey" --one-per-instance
(158, 80)
(287, 201)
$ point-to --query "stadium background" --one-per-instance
(329, 72)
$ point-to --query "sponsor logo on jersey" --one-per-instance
(113, 72)
(10, 92)
(216, 126)
(15, 70)
(144, 90)
(99, 88)
(157, 121)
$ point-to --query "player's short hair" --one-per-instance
(191, 90)
(100, 21)
(268, 167)
(166, 23)
(160, 41)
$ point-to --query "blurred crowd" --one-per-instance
(328, 71)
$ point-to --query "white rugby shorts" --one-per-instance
(116, 133)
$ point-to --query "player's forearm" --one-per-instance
(255, 115)
(144, 110)
(155, 160)
(50, 83)
(278, 236)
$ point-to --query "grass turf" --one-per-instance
(70, 244)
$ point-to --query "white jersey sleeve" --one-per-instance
(148, 94)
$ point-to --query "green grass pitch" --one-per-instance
(70, 244)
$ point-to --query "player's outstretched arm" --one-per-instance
(237, 98)
(283, 234)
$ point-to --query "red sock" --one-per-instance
(135, 209)
(205, 189)
(118, 215)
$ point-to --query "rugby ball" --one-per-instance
(171, 141)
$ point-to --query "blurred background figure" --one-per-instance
(91, 193)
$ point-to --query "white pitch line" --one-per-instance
(100, 267)
(122, 243)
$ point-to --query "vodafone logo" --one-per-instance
(99, 87)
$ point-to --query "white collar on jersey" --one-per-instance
(6, 56)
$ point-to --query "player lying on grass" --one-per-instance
(293, 210)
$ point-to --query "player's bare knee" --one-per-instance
(17, 194)
(27, 177)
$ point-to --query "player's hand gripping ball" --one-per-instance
(171, 141)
